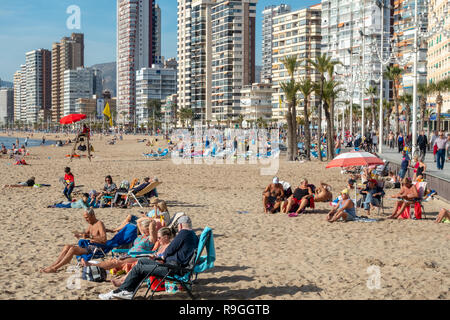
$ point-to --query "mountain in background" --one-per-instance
(6, 84)
(109, 76)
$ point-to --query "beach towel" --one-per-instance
(363, 219)
(206, 262)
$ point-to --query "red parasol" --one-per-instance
(72, 118)
(354, 158)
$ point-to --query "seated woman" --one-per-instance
(345, 209)
(108, 190)
(83, 203)
(300, 199)
(421, 167)
(323, 193)
(165, 237)
(406, 196)
(443, 216)
(29, 183)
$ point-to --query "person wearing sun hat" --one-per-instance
(345, 209)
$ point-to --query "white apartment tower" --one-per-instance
(78, 84)
(344, 22)
(138, 46)
(20, 95)
(269, 13)
(216, 56)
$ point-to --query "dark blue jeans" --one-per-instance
(67, 191)
(140, 271)
(440, 158)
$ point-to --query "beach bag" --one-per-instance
(156, 285)
(94, 274)
(173, 287)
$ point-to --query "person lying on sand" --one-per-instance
(323, 193)
(96, 233)
(443, 216)
(345, 209)
(273, 196)
(29, 183)
(407, 194)
(83, 203)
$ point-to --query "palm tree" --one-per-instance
(306, 88)
(372, 91)
(185, 114)
(154, 108)
(290, 90)
(322, 65)
(387, 111)
(291, 64)
(423, 90)
(439, 87)
(394, 73)
(407, 100)
(330, 92)
(240, 119)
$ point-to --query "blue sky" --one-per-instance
(26, 25)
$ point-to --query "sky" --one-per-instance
(26, 25)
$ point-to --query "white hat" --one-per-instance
(275, 180)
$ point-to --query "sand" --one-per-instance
(259, 256)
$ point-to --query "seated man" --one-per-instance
(323, 193)
(406, 196)
(345, 209)
(372, 195)
(273, 196)
(299, 200)
(96, 233)
(178, 253)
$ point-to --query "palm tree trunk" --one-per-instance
(290, 133)
(307, 131)
(438, 112)
(329, 131)
(319, 124)
(294, 128)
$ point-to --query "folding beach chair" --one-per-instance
(141, 197)
(419, 209)
(184, 276)
(124, 237)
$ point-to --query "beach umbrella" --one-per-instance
(72, 118)
(354, 158)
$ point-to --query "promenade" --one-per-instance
(438, 180)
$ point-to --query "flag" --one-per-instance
(281, 103)
(107, 112)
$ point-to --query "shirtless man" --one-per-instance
(323, 193)
(407, 194)
(273, 196)
(96, 233)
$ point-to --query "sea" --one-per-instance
(8, 142)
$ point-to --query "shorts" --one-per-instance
(350, 216)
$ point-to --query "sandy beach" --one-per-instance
(259, 256)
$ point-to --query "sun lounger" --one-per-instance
(141, 196)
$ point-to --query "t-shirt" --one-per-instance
(300, 193)
(69, 178)
(80, 204)
(181, 248)
(141, 244)
(110, 188)
(405, 161)
(30, 182)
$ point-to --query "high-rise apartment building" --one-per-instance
(79, 83)
(256, 101)
(295, 33)
(269, 13)
(216, 56)
(344, 22)
(156, 83)
(233, 56)
(6, 106)
(38, 84)
(20, 94)
(403, 38)
(138, 46)
(68, 54)
(438, 55)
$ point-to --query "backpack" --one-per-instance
(93, 273)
